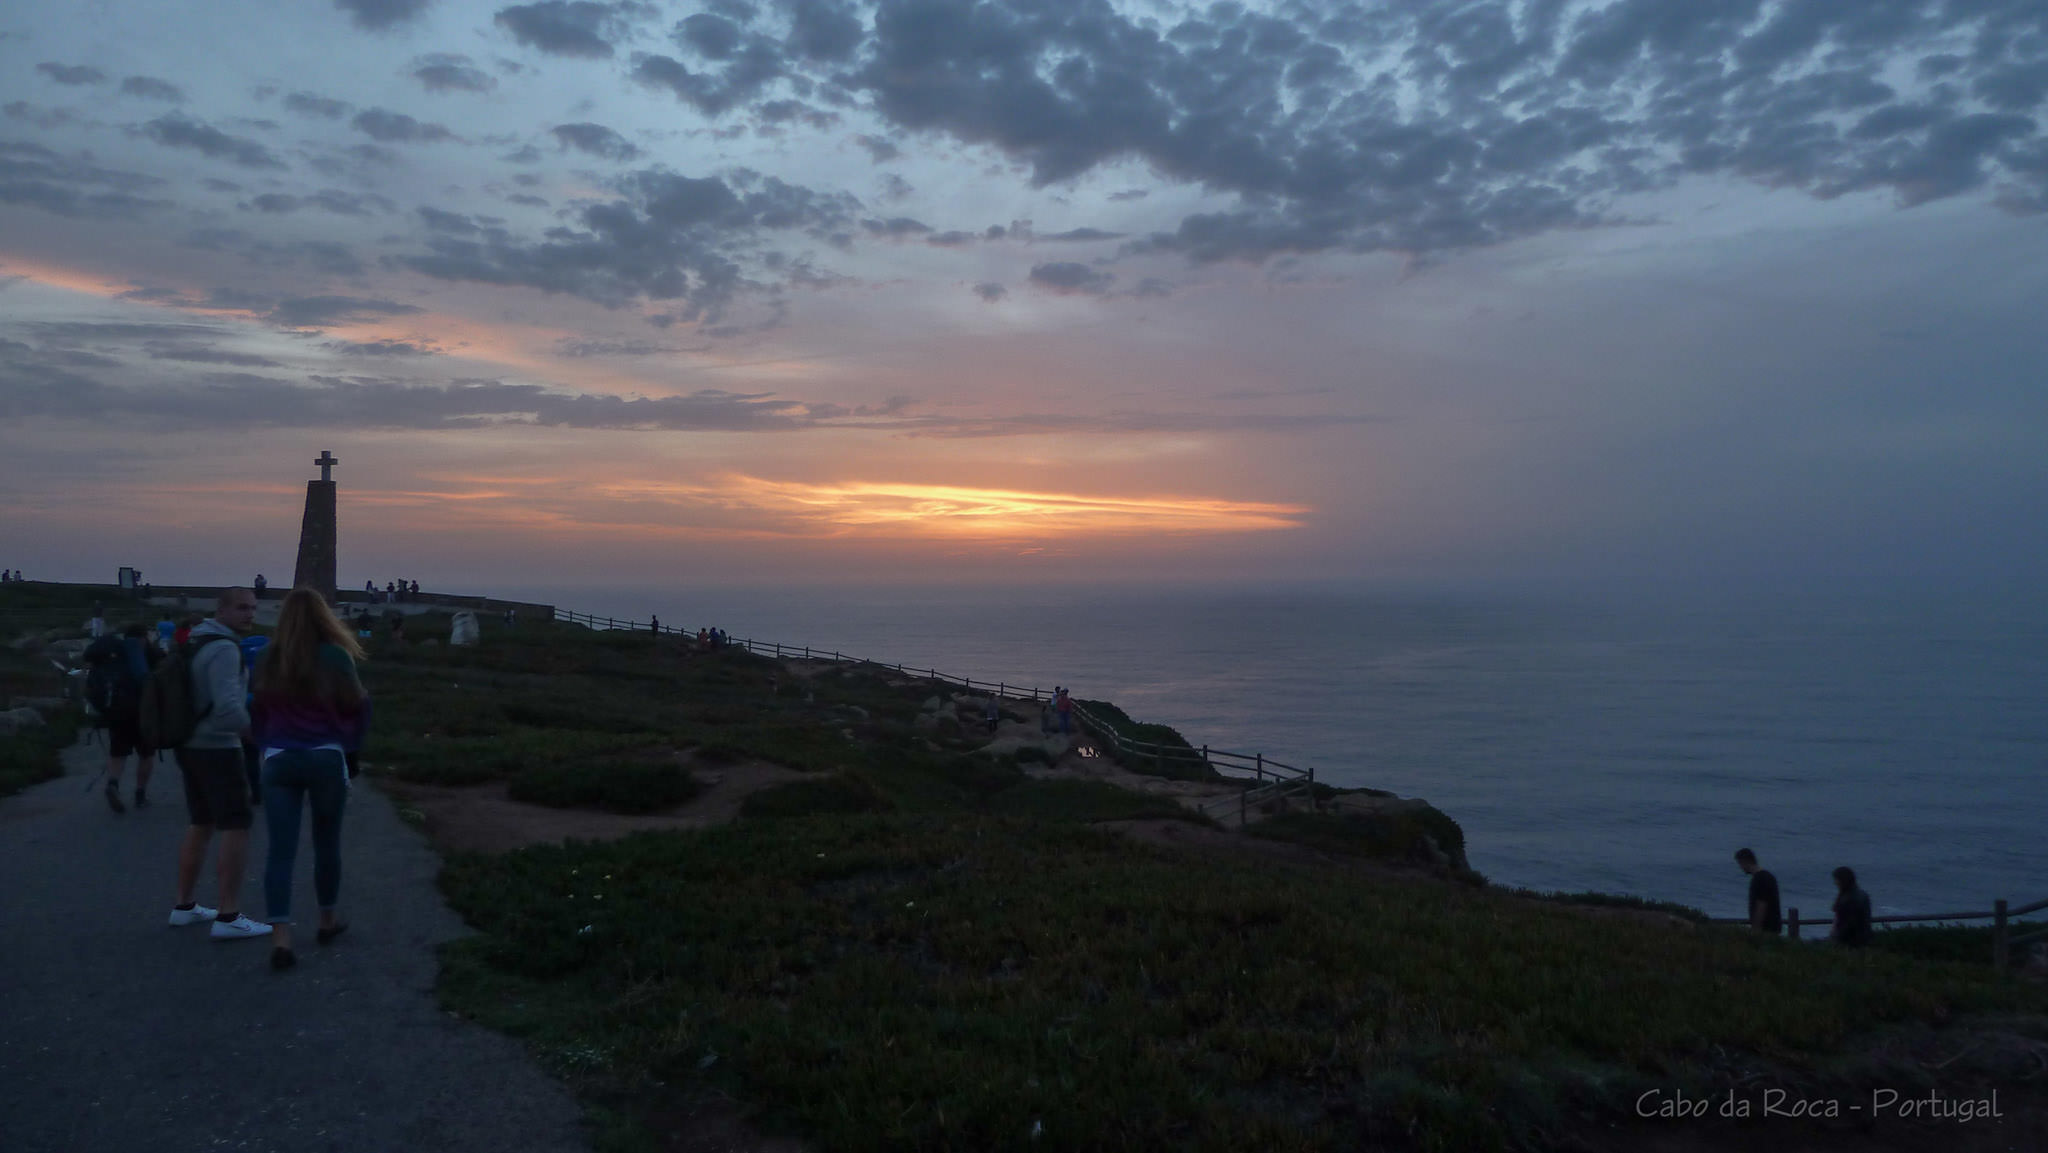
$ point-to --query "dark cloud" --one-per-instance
(150, 88)
(774, 112)
(390, 127)
(441, 220)
(308, 104)
(398, 348)
(180, 131)
(377, 15)
(529, 201)
(1069, 277)
(826, 30)
(1430, 126)
(952, 239)
(37, 177)
(448, 72)
(880, 149)
(990, 292)
(565, 27)
(1130, 194)
(325, 311)
(41, 117)
(1074, 234)
(196, 354)
(73, 74)
(595, 139)
(665, 238)
(329, 200)
(896, 228)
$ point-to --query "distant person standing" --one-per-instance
(310, 713)
(216, 787)
(97, 626)
(1852, 911)
(1063, 704)
(654, 625)
(1764, 914)
(166, 633)
(261, 585)
(120, 667)
(992, 713)
(415, 590)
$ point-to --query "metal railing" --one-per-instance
(2001, 915)
(1264, 781)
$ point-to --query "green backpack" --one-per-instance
(169, 714)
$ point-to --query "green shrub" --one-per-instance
(36, 753)
(838, 793)
(1177, 760)
(1399, 835)
(1970, 944)
(1032, 755)
(1086, 801)
(618, 785)
(1617, 901)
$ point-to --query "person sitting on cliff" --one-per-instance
(415, 590)
(1852, 911)
(1764, 915)
(260, 584)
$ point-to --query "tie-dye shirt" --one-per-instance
(292, 721)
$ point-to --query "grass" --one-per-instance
(619, 784)
(35, 753)
(1419, 834)
(957, 981)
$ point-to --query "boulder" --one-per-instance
(464, 630)
(933, 704)
(14, 720)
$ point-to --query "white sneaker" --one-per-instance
(239, 928)
(193, 915)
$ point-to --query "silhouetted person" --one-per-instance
(1763, 895)
(1852, 911)
(654, 625)
(261, 584)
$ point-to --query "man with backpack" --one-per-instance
(120, 667)
(199, 705)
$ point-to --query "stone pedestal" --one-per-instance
(317, 540)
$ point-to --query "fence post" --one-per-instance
(1792, 923)
(1259, 765)
(2000, 950)
(807, 652)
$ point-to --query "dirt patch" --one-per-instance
(483, 819)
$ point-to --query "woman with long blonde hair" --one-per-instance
(309, 715)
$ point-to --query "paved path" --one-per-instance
(119, 1033)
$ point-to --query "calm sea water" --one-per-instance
(1623, 750)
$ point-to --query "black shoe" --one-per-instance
(282, 958)
(141, 799)
(114, 797)
(331, 932)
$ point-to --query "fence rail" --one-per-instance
(1264, 780)
(2003, 939)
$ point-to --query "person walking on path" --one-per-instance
(121, 666)
(1852, 911)
(310, 713)
(210, 760)
(1764, 915)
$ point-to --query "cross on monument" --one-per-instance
(327, 461)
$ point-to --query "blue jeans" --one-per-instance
(290, 779)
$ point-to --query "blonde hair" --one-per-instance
(291, 662)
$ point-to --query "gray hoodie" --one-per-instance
(219, 685)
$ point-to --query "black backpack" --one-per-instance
(169, 714)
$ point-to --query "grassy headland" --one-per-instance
(913, 944)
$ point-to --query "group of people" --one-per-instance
(1058, 713)
(710, 638)
(395, 592)
(10, 576)
(269, 722)
(1852, 905)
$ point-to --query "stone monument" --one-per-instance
(316, 532)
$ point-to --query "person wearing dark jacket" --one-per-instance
(309, 715)
(1764, 913)
(1852, 911)
(120, 666)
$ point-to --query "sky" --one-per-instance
(1438, 293)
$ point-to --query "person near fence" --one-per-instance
(1764, 914)
(1852, 911)
(310, 713)
(992, 712)
(210, 760)
(120, 667)
(1063, 704)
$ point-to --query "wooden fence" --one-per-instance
(2003, 939)
(1264, 781)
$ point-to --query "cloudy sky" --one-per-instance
(1537, 292)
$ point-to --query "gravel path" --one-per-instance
(119, 1033)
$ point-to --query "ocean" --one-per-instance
(1624, 750)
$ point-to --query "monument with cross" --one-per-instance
(315, 569)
